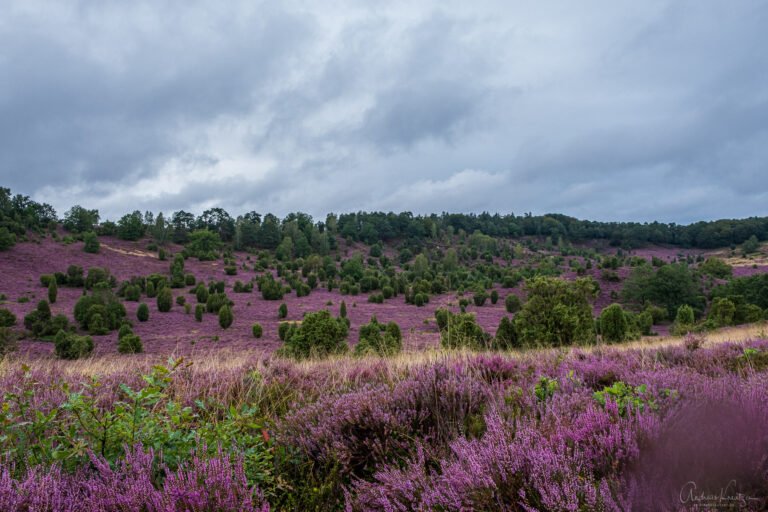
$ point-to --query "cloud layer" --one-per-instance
(607, 110)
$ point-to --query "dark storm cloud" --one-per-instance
(609, 110)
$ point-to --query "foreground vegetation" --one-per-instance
(607, 429)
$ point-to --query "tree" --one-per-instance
(225, 316)
(79, 220)
(164, 300)
(506, 335)
(752, 245)
(68, 345)
(218, 221)
(512, 303)
(177, 272)
(684, 320)
(613, 324)
(182, 223)
(92, 244)
(7, 239)
(557, 312)
(669, 287)
(318, 335)
(131, 226)
(204, 244)
(462, 330)
(53, 291)
(142, 312)
(722, 312)
(160, 230)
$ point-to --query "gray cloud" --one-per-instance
(608, 110)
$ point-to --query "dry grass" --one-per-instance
(340, 367)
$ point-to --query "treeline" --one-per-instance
(18, 213)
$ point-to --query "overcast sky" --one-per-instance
(611, 110)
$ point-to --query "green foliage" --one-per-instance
(479, 296)
(177, 272)
(131, 226)
(379, 339)
(216, 301)
(282, 311)
(752, 245)
(545, 388)
(716, 267)
(132, 293)
(670, 286)
(164, 300)
(506, 335)
(79, 220)
(129, 344)
(69, 345)
(614, 326)
(92, 244)
(204, 244)
(53, 291)
(512, 303)
(257, 330)
(225, 316)
(8, 341)
(626, 398)
(557, 312)
(270, 289)
(201, 294)
(7, 318)
(7, 239)
(318, 335)
(722, 312)
(343, 310)
(494, 296)
(142, 312)
(684, 320)
(463, 331)
(199, 311)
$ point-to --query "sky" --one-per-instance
(606, 110)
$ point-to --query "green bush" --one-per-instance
(318, 335)
(142, 312)
(557, 312)
(164, 300)
(92, 244)
(462, 330)
(343, 310)
(684, 320)
(53, 291)
(8, 340)
(69, 345)
(494, 296)
(506, 335)
(282, 311)
(7, 318)
(199, 311)
(130, 344)
(201, 294)
(7, 239)
(225, 316)
(512, 303)
(614, 326)
(722, 312)
(257, 330)
(379, 339)
(479, 297)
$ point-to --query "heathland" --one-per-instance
(375, 361)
